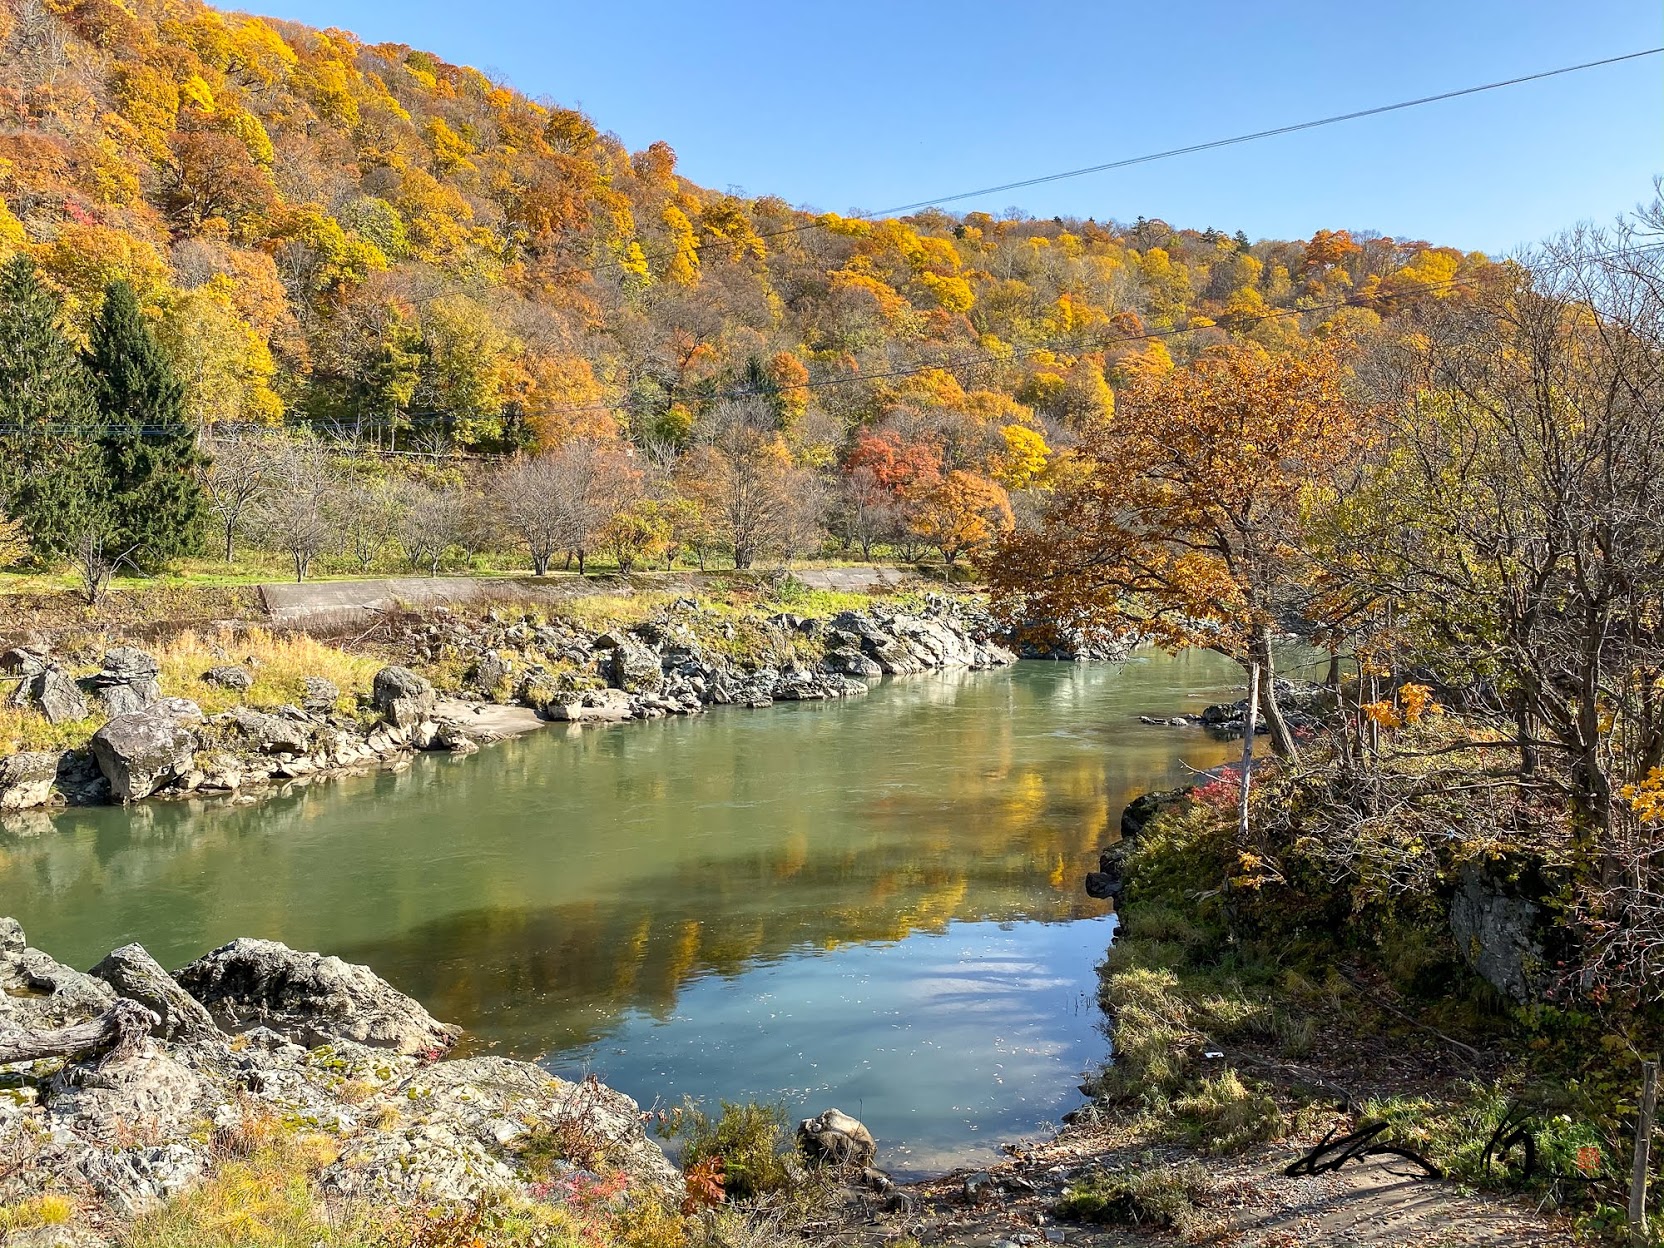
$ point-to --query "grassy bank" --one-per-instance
(1307, 979)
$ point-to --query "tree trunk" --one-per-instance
(1250, 725)
(230, 540)
(582, 555)
(1282, 738)
(1522, 733)
(118, 1028)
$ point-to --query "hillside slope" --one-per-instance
(367, 238)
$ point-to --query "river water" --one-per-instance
(873, 904)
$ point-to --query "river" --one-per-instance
(873, 904)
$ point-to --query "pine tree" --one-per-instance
(157, 506)
(50, 473)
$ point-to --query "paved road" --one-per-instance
(343, 603)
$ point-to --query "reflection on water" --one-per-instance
(859, 904)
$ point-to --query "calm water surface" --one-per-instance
(873, 904)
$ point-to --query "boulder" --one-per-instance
(51, 691)
(319, 696)
(467, 1118)
(849, 662)
(1103, 885)
(229, 676)
(634, 666)
(403, 698)
(134, 974)
(270, 734)
(1501, 932)
(36, 990)
(834, 1136)
(1143, 808)
(310, 998)
(142, 751)
(127, 681)
(26, 779)
(147, 1090)
(490, 671)
(591, 706)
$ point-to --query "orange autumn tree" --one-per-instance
(1183, 520)
(961, 514)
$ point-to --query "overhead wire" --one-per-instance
(819, 222)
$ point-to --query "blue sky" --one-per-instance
(863, 104)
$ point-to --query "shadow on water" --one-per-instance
(875, 902)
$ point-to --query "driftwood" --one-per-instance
(115, 1031)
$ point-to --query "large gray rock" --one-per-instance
(134, 974)
(403, 698)
(468, 1118)
(148, 1090)
(834, 1136)
(36, 990)
(142, 751)
(229, 676)
(127, 681)
(26, 779)
(310, 998)
(1500, 933)
(320, 695)
(51, 691)
(633, 666)
(591, 706)
(849, 662)
(270, 734)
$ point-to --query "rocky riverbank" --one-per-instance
(688, 656)
(126, 1086)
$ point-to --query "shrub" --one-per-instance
(1151, 1198)
(750, 1140)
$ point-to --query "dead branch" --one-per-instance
(115, 1031)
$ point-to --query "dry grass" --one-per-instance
(35, 1212)
(279, 663)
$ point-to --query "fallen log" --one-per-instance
(116, 1030)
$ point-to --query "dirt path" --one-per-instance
(1247, 1203)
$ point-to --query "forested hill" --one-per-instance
(365, 238)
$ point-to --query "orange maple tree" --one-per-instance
(1182, 523)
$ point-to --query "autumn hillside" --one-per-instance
(366, 238)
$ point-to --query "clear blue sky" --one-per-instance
(865, 104)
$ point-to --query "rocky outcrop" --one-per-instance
(1303, 706)
(146, 1121)
(141, 751)
(1502, 929)
(37, 991)
(470, 1118)
(403, 698)
(134, 974)
(683, 660)
(309, 998)
(44, 685)
(26, 779)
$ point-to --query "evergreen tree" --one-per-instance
(50, 472)
(158, 508)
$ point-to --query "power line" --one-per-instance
(1152, 157)
(1214, 144)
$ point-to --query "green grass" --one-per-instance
(1153, 1197)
